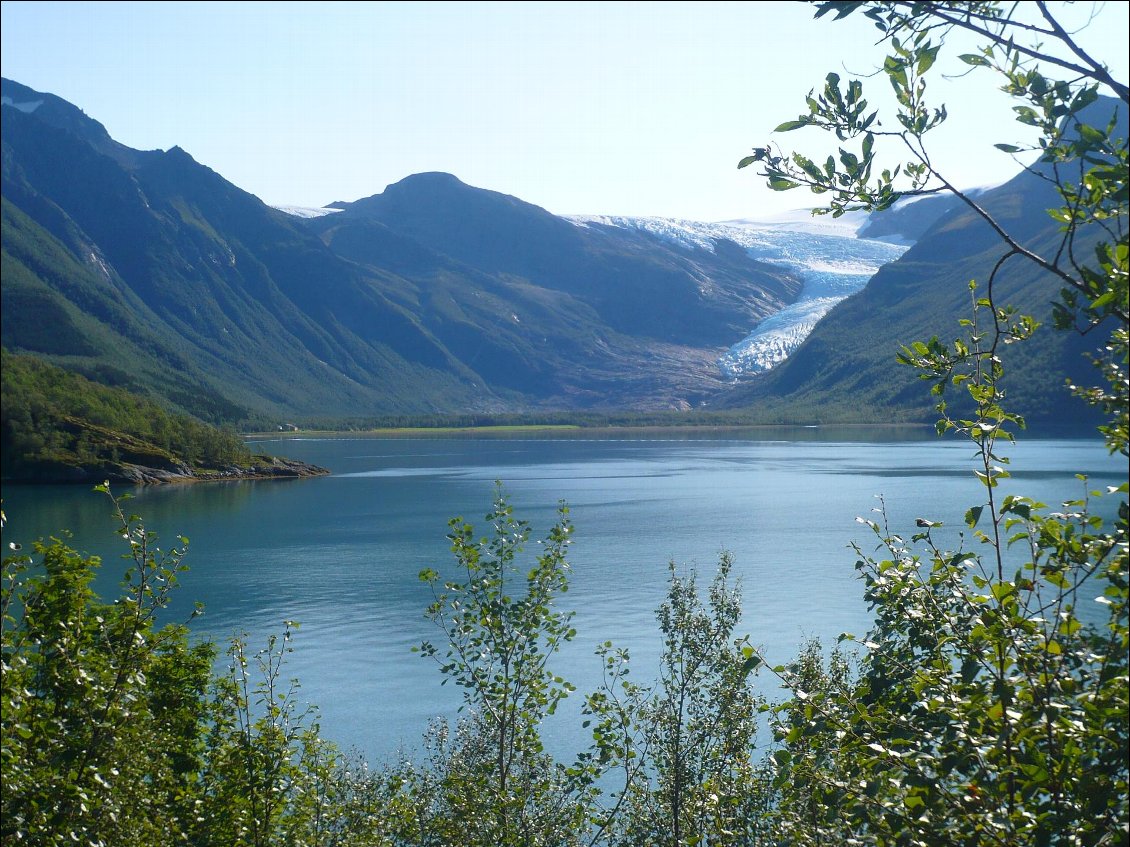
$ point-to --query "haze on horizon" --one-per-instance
(637, 109)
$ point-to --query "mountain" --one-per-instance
(906, 222)
(149, 270)
(845, 369)
(589, 312)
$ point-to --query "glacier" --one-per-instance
(306, 211)
(832, 262)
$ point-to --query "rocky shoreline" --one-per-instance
(263, 467)
(266, 467)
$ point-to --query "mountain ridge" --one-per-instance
(159, 263)
(149, 270)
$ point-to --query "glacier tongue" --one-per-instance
(776, 337)
(832, 266)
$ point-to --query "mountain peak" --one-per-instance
(57, 112)
(430, 178)
(435, 191)
(52, 110)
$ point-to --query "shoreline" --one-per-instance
(564, 429)
(270, 468)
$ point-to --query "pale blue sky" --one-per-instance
(609, 108)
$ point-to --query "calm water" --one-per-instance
(341, 554)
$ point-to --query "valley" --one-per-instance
(434, 299)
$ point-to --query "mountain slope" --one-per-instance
(846, 368)
(203, 280)
(148, 269)
(638, 284)
(579, 316)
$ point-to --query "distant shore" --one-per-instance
(570, 429)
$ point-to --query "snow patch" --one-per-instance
(691, 234)
(802, 220)
(28, 107)
(96, 260)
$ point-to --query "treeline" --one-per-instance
(771, 414)
(53, 419)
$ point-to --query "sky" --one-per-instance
(639, 109)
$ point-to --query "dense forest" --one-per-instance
(56, 425)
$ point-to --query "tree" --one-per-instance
(699, 783)
(104, 711)
(115, 730)
(491, 781)
(986, 711)
(267, 775)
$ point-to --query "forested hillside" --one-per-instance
(59, 426)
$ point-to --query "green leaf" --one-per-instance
(789, 126)
(749, 664)
(926, 59)
(974, 59)
(1002, 590)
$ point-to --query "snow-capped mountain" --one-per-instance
(832, 262)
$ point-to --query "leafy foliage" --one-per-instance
(116, 730)
(494, 784)
(699, 782)
(104, 710)
(986, 709)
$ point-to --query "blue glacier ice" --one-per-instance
(832, 262)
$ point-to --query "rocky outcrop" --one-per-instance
(261, 467)
(265, 467)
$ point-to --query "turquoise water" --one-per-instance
(341, 554)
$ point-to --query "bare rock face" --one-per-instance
(141, 475)
(264, 467)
